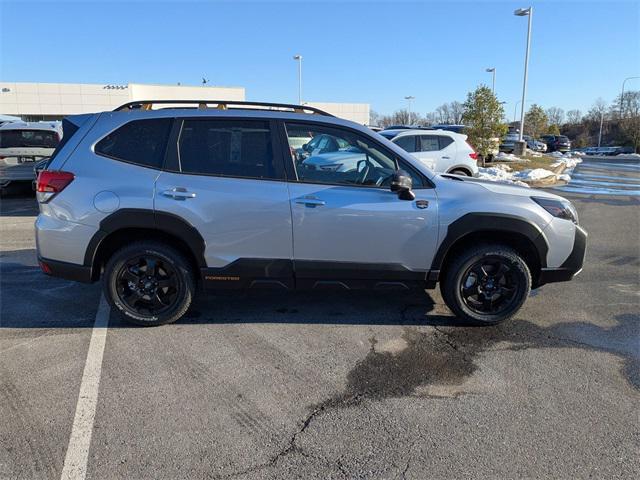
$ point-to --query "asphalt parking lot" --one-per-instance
(339, 385)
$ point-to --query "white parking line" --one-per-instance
(75, 462)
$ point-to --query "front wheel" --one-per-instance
(486, 284)
(149, 283)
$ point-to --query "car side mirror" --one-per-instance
(401, 184)
(305, 147)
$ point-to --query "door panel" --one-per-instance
(238, 218)
(362, 226)
(229, 184)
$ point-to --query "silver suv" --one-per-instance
(162, 202)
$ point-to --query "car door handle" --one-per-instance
(178, 193)
(311, 202)
(446, 158)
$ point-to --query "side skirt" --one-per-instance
(313, 275)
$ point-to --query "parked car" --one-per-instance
(440, 150)
(535, 145)
(508, 144)
(21, 145)
(556, 143)
(397, 127)
(609, 151)
(162, 202)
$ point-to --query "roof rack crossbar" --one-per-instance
(221, 105)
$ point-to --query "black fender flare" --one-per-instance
(485, 222)
(149, 219)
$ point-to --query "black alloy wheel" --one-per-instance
(489, 286)
(147, 285)
(486, 284)
(149, 282)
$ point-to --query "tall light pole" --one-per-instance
(493, 81)
(299, 59)
(601, 122)
(622, 94)
(409, 98)
(524, 12)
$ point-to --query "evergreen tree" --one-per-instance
(483, 119)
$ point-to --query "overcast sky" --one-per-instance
(373, 52)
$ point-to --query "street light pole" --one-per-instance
(409, 98)
(601, 122)
(493, 80)
(524, 12)
(299, 59)
(622, 94)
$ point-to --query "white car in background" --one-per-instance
(22, 145)
(440, 150)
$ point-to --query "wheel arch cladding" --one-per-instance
(127, 225)
(473, 228)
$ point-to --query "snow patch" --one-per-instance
(508, 157)
(533, 174)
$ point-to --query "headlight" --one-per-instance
(558, 208)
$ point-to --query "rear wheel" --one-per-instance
(149, 283)
(486, 284)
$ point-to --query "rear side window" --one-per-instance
(142, 142)
(429, 143)
(444, 141)
(230, 148)
(407, 143)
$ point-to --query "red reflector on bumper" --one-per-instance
(45, 268)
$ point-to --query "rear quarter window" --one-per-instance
(142, 142)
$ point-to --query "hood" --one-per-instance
(498, 187)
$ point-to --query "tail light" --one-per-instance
(473, 155)
(50, 183)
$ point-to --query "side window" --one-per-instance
(444, 141)
(230, 148)
(429, 143)
(142, 142)
(407, 143)
(341, 157)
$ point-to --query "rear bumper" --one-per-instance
(68, 271)
(571, 266)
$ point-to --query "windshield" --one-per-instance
(28, 138)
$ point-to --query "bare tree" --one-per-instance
(400, 117)
(374, 118)
(630, 117)
(449, 113)
(555, 115)
(574, 117)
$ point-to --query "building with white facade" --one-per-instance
(53, 101)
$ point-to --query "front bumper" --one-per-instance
(571, 266)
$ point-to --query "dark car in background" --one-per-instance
(557, 143)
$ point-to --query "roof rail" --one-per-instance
(221, 105)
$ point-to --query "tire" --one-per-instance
(149, 283)
(487, 299)
(460, 171)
